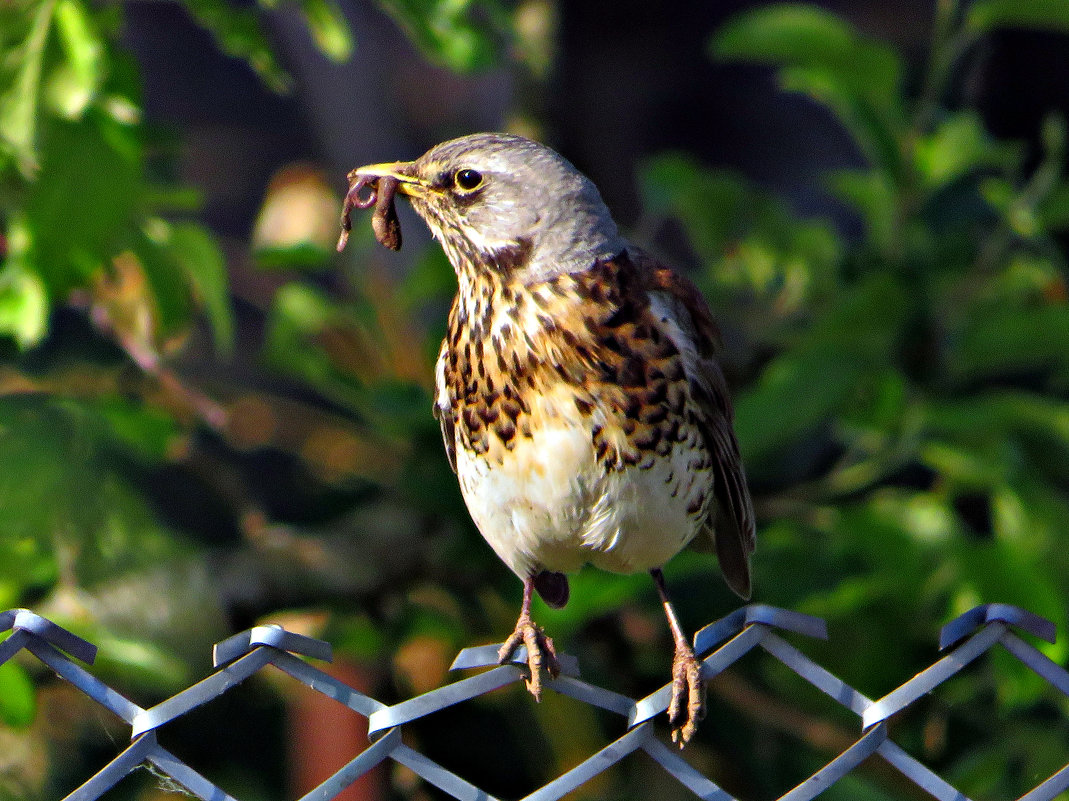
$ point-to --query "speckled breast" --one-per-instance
(593, 333)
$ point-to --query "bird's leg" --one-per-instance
(688, 689)
(540, 650)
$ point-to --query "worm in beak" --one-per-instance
(384, 222)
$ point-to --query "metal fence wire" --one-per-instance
(721, 643)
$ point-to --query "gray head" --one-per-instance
(500, 202)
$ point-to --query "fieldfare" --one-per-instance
(580, 402)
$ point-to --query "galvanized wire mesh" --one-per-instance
(721, 643)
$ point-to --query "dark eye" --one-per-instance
(468, 179)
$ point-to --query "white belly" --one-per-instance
(550, 505)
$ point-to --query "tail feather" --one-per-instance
(734, 555)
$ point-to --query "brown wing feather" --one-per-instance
(730, 528)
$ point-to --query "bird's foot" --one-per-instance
(540, 653)
(688, 696)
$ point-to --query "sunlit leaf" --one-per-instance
(75, 86)
(786, 34)
(464, 35)
(1018, 576)
(18, 103)
(959, 145)
(23, 307)
(329, 29)
(23, 296)
(748, 239)
(141, 661)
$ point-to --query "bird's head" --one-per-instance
(501, 203)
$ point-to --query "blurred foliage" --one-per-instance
(901, 401)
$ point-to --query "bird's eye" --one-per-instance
(468, 179)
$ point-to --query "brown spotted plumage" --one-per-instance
(580, 402)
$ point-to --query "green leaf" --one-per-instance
(23, 296)
(185, 270)
(297, 318)
(80, 216)
(875, 123)
(816, 379)
(1015, 575)
(136, 659)
(984, 16)
(18, 703)
(168, 284)
(814, 386)
(75, 86)
(200, 259)
(819, 54)
(145, 431)
(18, 105)
(240, 33)
(329, 28)
(872, 196)
(357, 635)
(1053, 210)
(857, 788)
(61, 493)
(592, 593)
(958, 146)
(995, 436)
(23, 307)
(1013, 341)
(748, 239)
(790, 35)
(716, 207)
(785, 33)
(463, 35)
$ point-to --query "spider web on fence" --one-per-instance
(721, 644)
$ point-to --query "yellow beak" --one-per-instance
(408, 183)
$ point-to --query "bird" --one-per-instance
(580, 399)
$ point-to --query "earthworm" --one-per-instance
(384, 220)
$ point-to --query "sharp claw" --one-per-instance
(540, 654)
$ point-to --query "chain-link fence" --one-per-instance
(722, 643)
